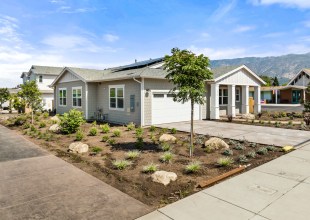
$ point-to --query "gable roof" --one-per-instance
(46, 70)
(306, 71)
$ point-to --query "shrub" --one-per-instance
(121, 164)
(79, 135)
(150, 168)
(20, 120)
(26, 125)
(228, 152)
(164, 130)
(232, 142)
(131, 126)
(152, 128)
(283, 114)
(45, 115)
(139, 131)
(251, 154)
(32, 128)
(105, 138)
(94, 124)
(96, 149)
(165, 146)
(193, 167)
(307, 119)
(166, 157)
(253, 145)
(271, 148)
(42, 124)
(173, 130)
(200, 139)
(71, 121)
(105, 128)
(93, 131)
(139, 142)
(209, 149)
(259, 115)
(225, 161)
(262, 151)
(133, 154)
(111, 141)
(117, 133)
(243, 159)
(230, 118)
(239, 147)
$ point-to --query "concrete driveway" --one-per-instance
(37, 185)
(252, 133)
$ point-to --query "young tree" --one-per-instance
(31, 96)
(4, 96)
(275, 81)
(307, 102)
(267, 79)
(188, 73)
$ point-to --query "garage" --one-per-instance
(165, 110)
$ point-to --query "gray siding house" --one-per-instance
(139, 93)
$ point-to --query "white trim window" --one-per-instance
(116, 97)
(77, 96)
(40, 79)
(223, 96)
(62, 96)
(237, 94)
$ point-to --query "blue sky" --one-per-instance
(100, 34)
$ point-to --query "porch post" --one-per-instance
(232, 100)
(208, 101)
(276, 96)
(245, 100)
(257, 101)
(304, 95)
(214, 108)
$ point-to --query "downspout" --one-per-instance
(142, 98)
(86, 100)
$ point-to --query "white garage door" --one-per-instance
(165, 110)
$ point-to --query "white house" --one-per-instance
(44, 76)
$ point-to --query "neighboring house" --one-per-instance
(139, 93)
(44, 76)
(293, 93)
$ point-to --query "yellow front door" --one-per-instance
(251, 105)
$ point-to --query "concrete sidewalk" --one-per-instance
(252, 133)
(278, 190)
(37, 185)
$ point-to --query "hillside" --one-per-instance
(284, 67)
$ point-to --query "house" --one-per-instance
(293, 93)
(44, 76)
(139, 93)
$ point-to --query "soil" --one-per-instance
(132, 180)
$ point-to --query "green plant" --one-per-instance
(133, 154)
(150, 168)
(239, 147)
(26, 125)
(121, 164)
(224, 161)
(33, 128)
(105, 128)
(193, 167)
(209, 149)
(262, 151)
(131, 126)
(164, 130)
(139, 142)
(173, 130)
(71, 122)
(152, 128)
(166, 157)
(243, 159)
(200, 139)
(93, 131)
(232, 142)
(228, 152)
(42, 124)
(96, 149)
(79, 135)
(251, 154)
(111, 141)
(45, 115)
(271, 148)
(94, 124)
(165, 146)
(117, 133)
(105, 138)
(139, 131)
(253, 145)
(20, 120)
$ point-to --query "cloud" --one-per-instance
(241, 29)
(303, 4)
(273, 35)
(223, 53)
(70, 10)
(110, 38)
(57, 1)
(307, 24)
(223, 10)
(9, 30)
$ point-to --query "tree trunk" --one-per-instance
(31, 116)
(191, 148)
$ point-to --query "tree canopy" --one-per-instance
(4, 96)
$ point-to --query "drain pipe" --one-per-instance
(142, 98)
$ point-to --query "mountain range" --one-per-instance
(283, 67)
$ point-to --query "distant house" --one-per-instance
(139, 93)
(44, 76)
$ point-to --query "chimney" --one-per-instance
(135, 60)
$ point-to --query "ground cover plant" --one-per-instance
(127, 161)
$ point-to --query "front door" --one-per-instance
(296, 95)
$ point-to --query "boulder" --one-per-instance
(78, 147)
(248, 116)
(164, 177)
(55, 128)
(167, 138)
(56, 119)
(216, 143)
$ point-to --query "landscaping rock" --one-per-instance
(55, 128)
(164, 177)
(78, 147)
(56, 119)
(167, 137)
(248, 116)
(216, 143)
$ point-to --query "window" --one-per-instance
(223, 96)
(40, 79)
(77, 97)
(158, 95)
(62, 97)
(170, 95)
(237, 94)
(116, 94)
